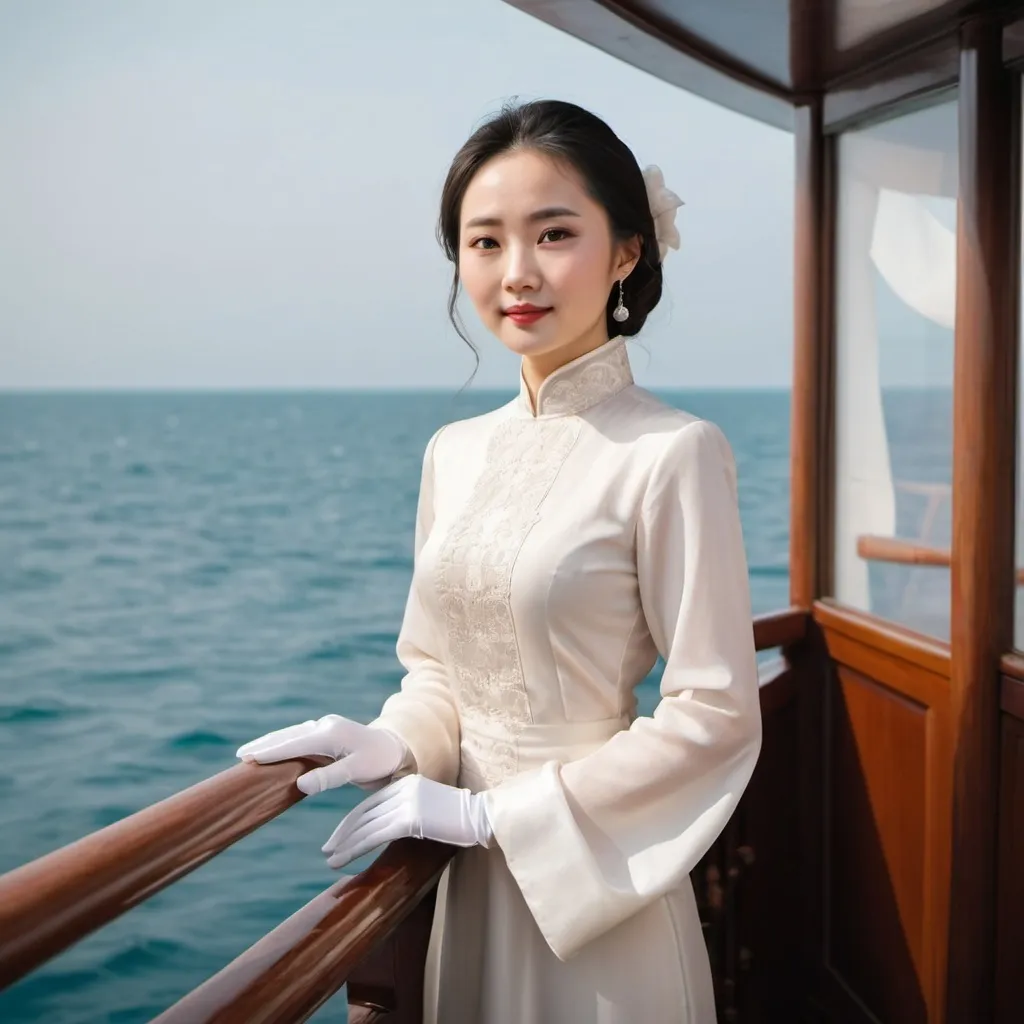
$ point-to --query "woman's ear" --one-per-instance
(627, 257)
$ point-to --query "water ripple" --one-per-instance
(203, 583)
(199, 738)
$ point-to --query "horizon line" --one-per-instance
(209, 389)
(196, 389)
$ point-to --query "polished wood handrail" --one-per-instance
(366, 1015)
(901, 552)
(51, 903)
(779, 686)
(296, 968)
(907, 552)
(780, 628)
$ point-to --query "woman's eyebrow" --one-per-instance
(548, 213)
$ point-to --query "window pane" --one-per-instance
(895, 299)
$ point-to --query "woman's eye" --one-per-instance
(484, 243)
(559, 234)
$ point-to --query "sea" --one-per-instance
(183, 572)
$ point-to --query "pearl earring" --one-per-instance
(620, 314)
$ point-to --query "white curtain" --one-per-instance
(896, 234)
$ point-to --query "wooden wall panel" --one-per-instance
(888, 767)
(1010, 875)
(876, 845)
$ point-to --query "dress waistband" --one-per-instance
(494, 749)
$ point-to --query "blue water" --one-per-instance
(181, 573)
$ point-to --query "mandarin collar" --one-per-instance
(581, 383)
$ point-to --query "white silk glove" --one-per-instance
(414, 806)
(362, 755)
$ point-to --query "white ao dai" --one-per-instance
(558, 552)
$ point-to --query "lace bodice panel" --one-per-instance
(530, 563)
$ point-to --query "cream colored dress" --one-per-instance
(557, 553)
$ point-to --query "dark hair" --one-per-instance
(610, 175)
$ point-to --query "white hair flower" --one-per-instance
(664, 203)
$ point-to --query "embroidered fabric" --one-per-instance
(474, 575)
(587, 380)
(476, 558)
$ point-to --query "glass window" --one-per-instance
(895, 302)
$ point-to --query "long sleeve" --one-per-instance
(594, 841)
(423, 712)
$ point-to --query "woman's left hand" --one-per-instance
(415, 807)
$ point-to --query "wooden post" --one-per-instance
(984, 428)
(809, 434)
(811, 488)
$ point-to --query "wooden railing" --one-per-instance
(780, 629)
(730, 880)
(900, 551)
(53, 902)
(907, 552)
(297, 967)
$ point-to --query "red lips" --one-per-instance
(524, 313)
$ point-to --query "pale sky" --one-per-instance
(243, 193)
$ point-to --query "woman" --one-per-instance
(563, 541)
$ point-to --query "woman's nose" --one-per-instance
(521, 270)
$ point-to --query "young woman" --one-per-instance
(563, 541)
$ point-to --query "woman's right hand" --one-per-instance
(362, 755)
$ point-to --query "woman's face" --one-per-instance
(536, 256)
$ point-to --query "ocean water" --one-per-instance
(180, 573)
